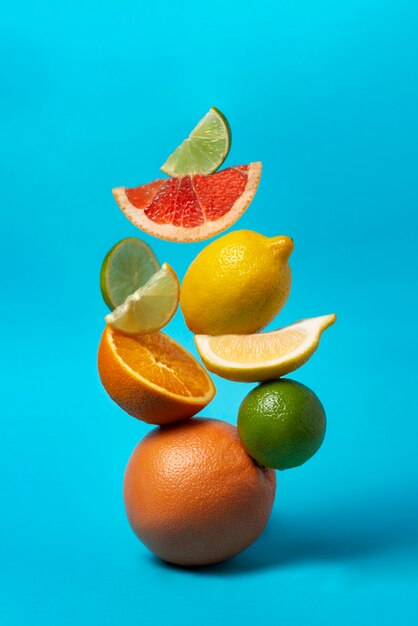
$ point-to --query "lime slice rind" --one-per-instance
(204, 150)
(126, 267)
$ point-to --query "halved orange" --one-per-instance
(192, 207)
(152, 377)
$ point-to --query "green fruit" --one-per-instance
(150, 307)
(281, 424)
(204, 150)
(126, 267)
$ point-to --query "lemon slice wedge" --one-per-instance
(262, 356)
(150, 307)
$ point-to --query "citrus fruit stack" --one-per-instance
(198, 491)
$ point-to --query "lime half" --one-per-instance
(204, 150)
(150, 307)
(126, 267)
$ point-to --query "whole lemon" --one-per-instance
(237, 284)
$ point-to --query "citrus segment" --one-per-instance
(152, 377)
(140, 356)
(262, 356)
(190, 208)
(126, 267)
(142, 196)
(204, 150)
(151, 307)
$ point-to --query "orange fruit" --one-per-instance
(152, 377)
(192, 207)
(194, 496)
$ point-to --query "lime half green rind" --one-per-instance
(204, 150)
(126, 267)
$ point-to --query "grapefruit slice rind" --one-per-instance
(190, 208)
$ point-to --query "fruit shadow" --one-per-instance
(343, 533)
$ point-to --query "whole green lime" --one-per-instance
(281, 423)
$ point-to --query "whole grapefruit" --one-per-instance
(194, 496)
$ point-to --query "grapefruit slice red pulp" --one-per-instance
(193, 207)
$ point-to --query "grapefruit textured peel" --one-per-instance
(190, 208)
(262, 356)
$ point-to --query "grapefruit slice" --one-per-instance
(193, 207)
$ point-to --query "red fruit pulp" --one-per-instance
(190, 201)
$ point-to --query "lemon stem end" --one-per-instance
(282, 246)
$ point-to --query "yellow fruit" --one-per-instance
(150, 307)
(237, 284)
(193, 495)
(263, 356)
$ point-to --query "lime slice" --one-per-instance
(204, 150)
(151, 307)
(126, 267)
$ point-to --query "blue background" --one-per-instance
(95, 95)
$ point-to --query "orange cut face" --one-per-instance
(152, 377)
(158, 359)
